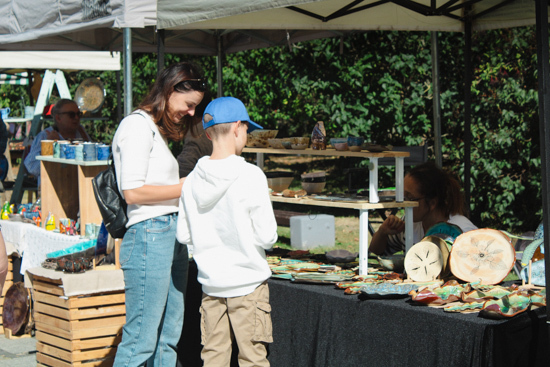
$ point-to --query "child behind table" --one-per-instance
(226, 218)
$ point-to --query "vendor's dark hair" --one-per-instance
(435, 183)
(156, 101)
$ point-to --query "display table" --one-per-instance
(66, 189)
(32, 243)
(318, 325)
(78, 317)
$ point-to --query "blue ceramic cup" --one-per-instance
(62, 145)
(5, 112)
(103, 152)
(90, 151)
(69, 150)
(79, 152)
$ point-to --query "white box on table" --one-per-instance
(309, 231)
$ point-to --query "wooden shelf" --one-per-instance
(329, 152)
(343, 204)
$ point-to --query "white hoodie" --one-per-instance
(225, 214)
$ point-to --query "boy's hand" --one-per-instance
(392, 225)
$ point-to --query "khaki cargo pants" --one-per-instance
(245, 319)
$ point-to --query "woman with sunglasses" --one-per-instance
(154, 265)
(66, 126)
(439, 198)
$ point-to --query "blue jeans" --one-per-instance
(155, 269)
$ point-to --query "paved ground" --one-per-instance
(17, 352)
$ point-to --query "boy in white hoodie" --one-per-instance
(226, 219)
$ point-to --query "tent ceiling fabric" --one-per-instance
(445, 15)
(13, 61)
(63, 25)
(29, 20)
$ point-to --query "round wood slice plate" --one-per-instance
(424, 261)
(445, 252)
(485, 255)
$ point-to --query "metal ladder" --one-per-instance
(50, 79)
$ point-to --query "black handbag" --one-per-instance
(112, 205)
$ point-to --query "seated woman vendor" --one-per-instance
(439, 198)
(66, 115)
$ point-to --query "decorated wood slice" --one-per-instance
(445, 252)
(423, 261)
(485, 255)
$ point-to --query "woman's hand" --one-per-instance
(392, 225)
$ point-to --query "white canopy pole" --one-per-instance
(127, 33)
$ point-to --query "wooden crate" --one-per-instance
(7, 284)
(76, 330)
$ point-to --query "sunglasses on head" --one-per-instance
(191, 84)
(71, 114)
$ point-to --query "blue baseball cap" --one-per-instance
(224, 110)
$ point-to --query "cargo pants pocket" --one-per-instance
(263, 329)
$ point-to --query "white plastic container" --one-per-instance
(310, 231)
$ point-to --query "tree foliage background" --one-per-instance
(378, 85)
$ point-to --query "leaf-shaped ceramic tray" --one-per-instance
(304, 266)
(447, 293)
(507, 306)
(320, 278)
(478, 295)
(464, 307)
(530, 251)
(388, 290)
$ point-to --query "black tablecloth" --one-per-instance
(318, 326)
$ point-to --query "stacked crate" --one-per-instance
(7, 285)
(76, 330)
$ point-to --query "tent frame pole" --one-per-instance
(544, 125)
(436, 101)
(127, 35)
(468, 67)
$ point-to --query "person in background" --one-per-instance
(226, 218)
(4, 164)
(3, 262)
(153, 263)
(66, 126)
(196, 144)
(439, 198)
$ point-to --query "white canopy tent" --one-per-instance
(205, 25)
(64, 60)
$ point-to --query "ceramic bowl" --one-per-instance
(276, 143)
(287, 144)
(259, 138)
(300, 140)
(313, 187)
(394, 263)
(339, 143)
(355, 141)
(298, 146)
(341, 256)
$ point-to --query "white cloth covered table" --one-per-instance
(32, 243)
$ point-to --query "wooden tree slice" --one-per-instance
(485, 255)
(424, 261)
(444, 246)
